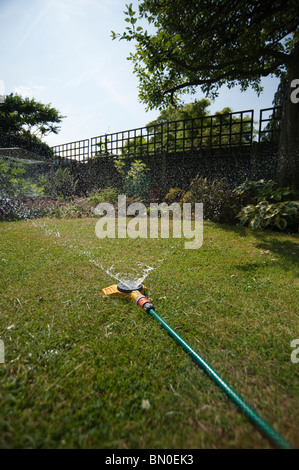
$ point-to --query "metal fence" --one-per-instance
(269, 124)
(72, 151)
(221, 130)
(218, 131)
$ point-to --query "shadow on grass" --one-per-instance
(238, 229)
(249, 267)
(286, 249)
(277, 243)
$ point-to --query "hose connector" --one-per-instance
(141, 300)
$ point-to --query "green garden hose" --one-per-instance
(254, 417)
(136, 293)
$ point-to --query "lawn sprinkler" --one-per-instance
(136, 291)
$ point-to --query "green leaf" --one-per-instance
(289, 211)
(16, 171)
(293, 204)
(281, 223)
(255, 223)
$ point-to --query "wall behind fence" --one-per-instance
(178, 169)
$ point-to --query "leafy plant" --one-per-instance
(12, 185)
(270, 207)
(119, 164)
(250, 190)
(109, 194)
(137, 181)
(264, 214)
(262, 190)
(9, 181)
(61, 183)
(174, 195)
(220, 203)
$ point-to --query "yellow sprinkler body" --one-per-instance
(129, 289)
(112, 291)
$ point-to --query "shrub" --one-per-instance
(174, 195)
(32, 208)
(272, 206)
(9, 209)
(109, 194)
(252, 190)
(60, 183)
(220, 203)
(12, 185)
(154, 195)
(137, 180)
(262, 215)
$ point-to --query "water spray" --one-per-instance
(136, 291)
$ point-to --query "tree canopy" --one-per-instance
(28, 118)
(188, 127)
(208, 43)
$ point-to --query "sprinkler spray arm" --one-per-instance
(136, 291)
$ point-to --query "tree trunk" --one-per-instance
(288, 152)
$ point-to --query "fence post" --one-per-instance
(164, 170)
(253, 159)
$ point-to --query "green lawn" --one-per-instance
(86, 371)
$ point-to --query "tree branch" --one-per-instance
(239, 74)
(284, 58)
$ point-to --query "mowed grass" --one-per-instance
(86, 371)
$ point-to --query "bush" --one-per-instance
(281, 215)
(271, 206)
(12, 185)
(220, 203)
(32, 208)
(251, 191)
(10, 209)
(109, 194)
(60, 183)
(174, 195)
(137, 180)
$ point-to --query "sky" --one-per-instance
(60, 52)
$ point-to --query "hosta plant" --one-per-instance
(281, 215)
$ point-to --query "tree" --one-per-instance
(209, 43)
(28, 118)
(272, 129)
(189, 126)
(195, 110)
